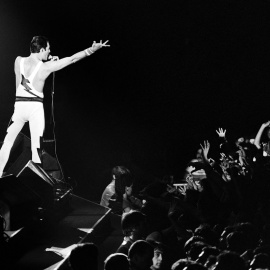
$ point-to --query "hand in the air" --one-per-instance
(221, 132)
(205, 148)
(182, 189)
(96, 46)
(266, 124)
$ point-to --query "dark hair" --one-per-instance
(131, 220)
(37, 43)
(116, 261)
(195, 266)
(123, 179)
(208, 234)
(140, 247)
(260, 260)
(228, 260)
(83, 256)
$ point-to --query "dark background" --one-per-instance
(175, 72)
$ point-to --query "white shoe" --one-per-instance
(3, 174)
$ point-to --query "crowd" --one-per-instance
(220, 220)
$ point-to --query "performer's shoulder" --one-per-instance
(18, 59)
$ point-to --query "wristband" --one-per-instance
(87, 53)
(90, 50)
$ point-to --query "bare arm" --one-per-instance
(55, 64)
(257, 140)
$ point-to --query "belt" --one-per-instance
(39, 99)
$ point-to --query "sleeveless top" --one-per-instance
(26, 88)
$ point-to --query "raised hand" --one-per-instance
(221, 132)
(182, 189)
(190, 181)
(266, 124)
(205, 148)
(171, 189)
(96, 46)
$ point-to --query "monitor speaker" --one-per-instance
(27, 193)
(21, 154)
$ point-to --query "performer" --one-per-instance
(31, 73)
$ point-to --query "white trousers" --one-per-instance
(24, 111)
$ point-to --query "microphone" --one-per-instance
(52, 58)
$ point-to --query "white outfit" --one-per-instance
(28, 107)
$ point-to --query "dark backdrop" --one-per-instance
(175, 72)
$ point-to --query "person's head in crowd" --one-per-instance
(123, 179)
(155, 239)
(189, 223)
(228, 260)
(208, 234)
(262, 249)
(251, 234)
(133, 224)
(236, 241)
(118, 171)
(167, 179)
(206, 253)
(222, 240)
(195, 250)
(260, 260)
(190, 241)
(116, 261)
(210, 262)
(247, 255)
(158, 257)
(181, 264)
(84, 256)
(140, 255)
(218, 229)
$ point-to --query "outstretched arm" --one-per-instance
(257, 140)
(55, 64)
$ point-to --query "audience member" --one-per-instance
(117, 173)
(84, 256)
(116, 261)
(158, 262)
(140, 255)
(260, 260)
(134, 228)
(228, 260)
(118, 195)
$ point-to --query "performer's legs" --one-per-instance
(12, 133)
(37, 124)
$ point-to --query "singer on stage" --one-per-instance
(31, 73)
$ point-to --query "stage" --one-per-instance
(45, 219)
(46, 244)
